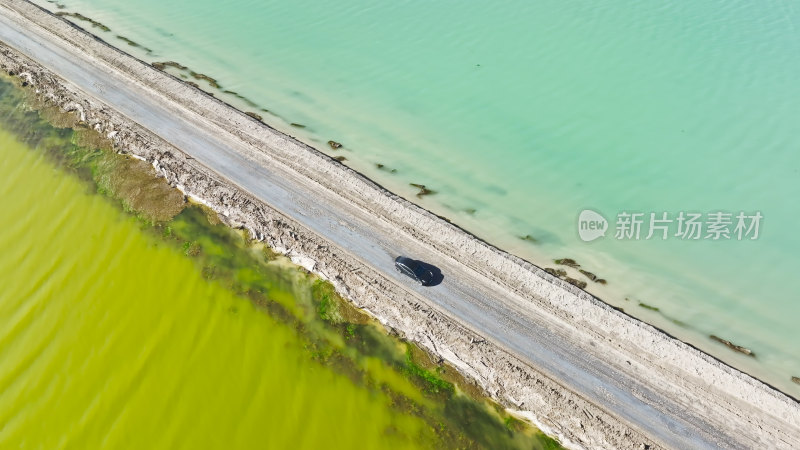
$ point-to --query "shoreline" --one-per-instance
(591, 321)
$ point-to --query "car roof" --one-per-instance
(408, 262)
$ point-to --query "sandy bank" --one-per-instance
(595, 377)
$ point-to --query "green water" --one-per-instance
(111, 340)
(523, 113)
(120, 332)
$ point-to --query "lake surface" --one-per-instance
(110, 340)
(520, 114)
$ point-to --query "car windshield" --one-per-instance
(415, 267)
(407, 262)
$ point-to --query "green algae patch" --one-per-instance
(423, 190)
(134, 44)
(130, 181)
(462, 413)
(54, 115)
(651, 308)
(91, 139)
(83, 18)
(431, 383)
(183, 70)
(135, 184)
(330, 331)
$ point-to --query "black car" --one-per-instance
(414, 269)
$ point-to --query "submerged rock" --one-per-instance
(340, 158)
(592, 276)
(560, 273)
(732, 346)
(588, 274)
(567, 262)
(580, 283)
(201, 76)
(335, 145)
(380, 166)
(165, 64)
(423, 191)
(796, 380)
(254, 115)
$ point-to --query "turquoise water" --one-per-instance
(520, 114)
